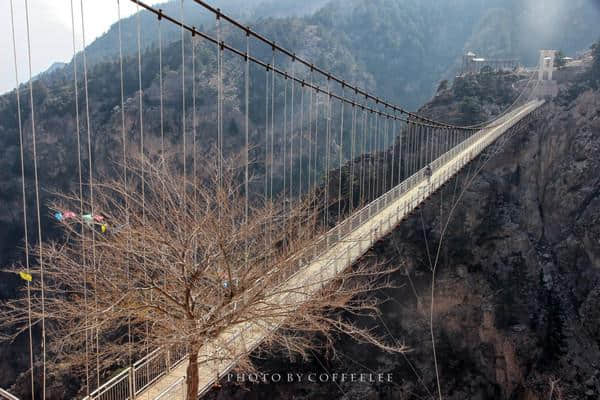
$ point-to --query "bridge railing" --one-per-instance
(133, 380)
(4, 395)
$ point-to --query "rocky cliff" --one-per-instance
(517, 286)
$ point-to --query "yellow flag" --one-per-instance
(25, 276)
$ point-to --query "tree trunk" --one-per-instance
(192, 375)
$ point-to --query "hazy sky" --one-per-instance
(51, 32)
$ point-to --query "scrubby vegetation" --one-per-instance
(590, 79)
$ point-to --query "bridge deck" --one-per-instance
(363, 229)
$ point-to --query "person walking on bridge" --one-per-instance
(428, 172)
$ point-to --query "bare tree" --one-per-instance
(554, 389)
(167, 260)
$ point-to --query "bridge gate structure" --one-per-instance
(547, 87)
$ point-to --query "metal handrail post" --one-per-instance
(131, 374)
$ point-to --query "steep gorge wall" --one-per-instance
(517, 288)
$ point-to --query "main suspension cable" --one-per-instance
(224, 46)
(308, 64)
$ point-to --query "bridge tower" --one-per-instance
(547, 87)
(546, 65)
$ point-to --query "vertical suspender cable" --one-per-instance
(37, 204)
(292, 137)
(124, 147)
(272, 122)
(383, 156)
(413, 164)
(453, 138)
(367, 155)
(247, 145)
(284, 143)
(316, 156)
(341, 156)
(91, 183)
(83, 256)
(438, 149)
(219, 103)
(370, 160)
(310, 145)
(433, 140)
(385, 151)
(327, 147)
(300, 152)
(400, 134)
(375, 170)
(427, 134)
(386, 144)
(408, 154)
(426, 139)
(161, 89)
(416, 147)
(383, 145)
(194, 121)
(162, 132)
(142, 153)
(194, 176)
(413, 161)
(455, 143)
(421, 147)
(272, 158)
(444, 140)
(183, 130)
(376, 158)
(432, 143)
(436, 142)
(266, 158)
(393, 149)
(363, 156)
(352, 149)
(25, 227)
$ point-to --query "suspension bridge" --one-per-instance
(376, 161)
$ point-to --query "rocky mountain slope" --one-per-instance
(415, 42)
(517, 287)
